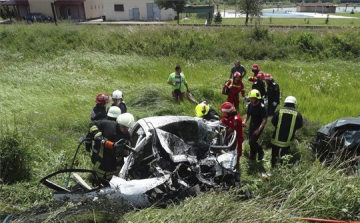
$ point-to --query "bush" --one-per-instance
(218, 18)
(260, 33)
(14, 159)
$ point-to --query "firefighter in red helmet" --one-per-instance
(233, 121)
(233, 88)
(99, 111)
(272, 94)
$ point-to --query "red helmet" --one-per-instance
(226, 108)
(268, 77)
(237, 74)
(260, 75)
(255, 67)
(102, 98)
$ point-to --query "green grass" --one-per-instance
(338, 22)
(48, 83)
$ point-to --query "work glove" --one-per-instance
(274, 103)
(122, 148)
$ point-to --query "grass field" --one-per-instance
(46, 98)
(338, 22)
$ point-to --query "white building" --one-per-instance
(135, 10)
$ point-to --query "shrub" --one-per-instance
(14, 159)
(260, 33)
(218, 18)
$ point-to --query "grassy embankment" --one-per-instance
(353, 21)
(50, 75)
(333, 22)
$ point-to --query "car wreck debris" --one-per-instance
(173, 157)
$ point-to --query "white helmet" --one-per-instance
(117, 94)
(126, 119)
(290, 100)
(114, 112)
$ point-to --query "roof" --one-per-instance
(332, 127)
(320, 4)
(16, 2)
(69, 2)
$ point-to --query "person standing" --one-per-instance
(178, 82)
(286, 121)
(117, 97)
(233, 121)
(99, 111)
(255, 69)
(234, 87)
(109, 147)
(259, 83)
(272, 94)
(258, 114)
(238, 68)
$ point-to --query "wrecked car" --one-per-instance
(172, 157)
(340, 138)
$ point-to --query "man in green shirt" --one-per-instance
(178, 82)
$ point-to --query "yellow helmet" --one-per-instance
(201, 109)
(254, 94)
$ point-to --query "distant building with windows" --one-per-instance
(77, 10)
(316, 7)
(82, 10)
(135, 10)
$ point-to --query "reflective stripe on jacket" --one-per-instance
(286, 121)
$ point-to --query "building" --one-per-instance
(81, 10)
(316, 7)
(135, 10)
(19, 8)
(77, 10)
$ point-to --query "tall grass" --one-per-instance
(189, 43)
(50, 76)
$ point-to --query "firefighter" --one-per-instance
(259, 83)
(205, 111)
(286, 121)
(113, 113)
(238, 68)
(255, 69)
(117, 97)
(178, 82)
(233, 121)
(234, 87)
(272, 94)
(99, 111)
(258, 114)
(110, 145)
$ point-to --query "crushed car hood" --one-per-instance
(346, 128)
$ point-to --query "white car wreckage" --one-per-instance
(172, 157)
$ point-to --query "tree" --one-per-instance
(177, 5)
(251, 8)
(218, 18)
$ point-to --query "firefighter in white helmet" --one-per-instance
(113, 113)
(117, 97)
(111, 141)
(286, 121)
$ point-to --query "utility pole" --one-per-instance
(53, 11)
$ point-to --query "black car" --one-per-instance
(37, 17)
(340, 139)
